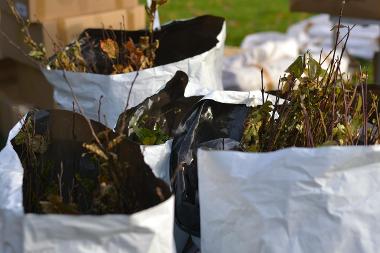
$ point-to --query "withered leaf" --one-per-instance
(110, 48)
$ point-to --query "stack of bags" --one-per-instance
(274, 52)
(136, 108)
(315, 33)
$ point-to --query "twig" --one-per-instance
(100, 106)
(81, 110)
(365, 118)
(11, 42)
(74, 135)
(262, 85)
(123, 122)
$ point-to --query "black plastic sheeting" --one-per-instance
(3, 141)
(66, 132)
(166, 109)
(178, 40)
(211, 125)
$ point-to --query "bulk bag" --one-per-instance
(195, 46)
(293, 200)
(220, 115)
(162, 111)
(156, 120)
(271, 52)
(147, 227)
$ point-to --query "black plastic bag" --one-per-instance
(211, 124)
(161, 112)
(178, 40)
(56, 142)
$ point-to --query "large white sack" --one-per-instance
(204, 73)
(158, 159)
(295, 200)
(271, 51)
(248, 99)
(150, 230)
(315, 32)
(265, 45)
(11, 208)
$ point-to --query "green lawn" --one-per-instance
(243, 16)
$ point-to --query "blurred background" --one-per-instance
(266, 35)
(243, 16)
(246, 17)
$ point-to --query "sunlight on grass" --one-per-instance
(243, 16)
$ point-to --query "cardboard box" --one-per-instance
(12, 40)
(136, 18)
(23, 84)
(70, 28)
(365, 9)
(63, 30)
(42, 10)
(22, 88)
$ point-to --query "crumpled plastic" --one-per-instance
(152, 228)
(164, 110)
(203, 67)
(220, 115)
(158, 158)
(11, 208)
(315, 33)
(294, 200)
(146, 231)
(272, 52)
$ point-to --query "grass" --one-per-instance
(368, 66)
(243, 16)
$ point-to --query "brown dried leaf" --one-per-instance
(55, 205)
(130, 45)
(110, 48)
(93, 148)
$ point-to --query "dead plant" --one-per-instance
(125, 57)
(321, 107)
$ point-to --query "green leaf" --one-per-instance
(36, 54)
(39, 144)
(21, 138)
(314, 68)
(297, 68)
(150, 137)
(359, 105)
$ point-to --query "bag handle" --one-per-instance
(156, 24)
